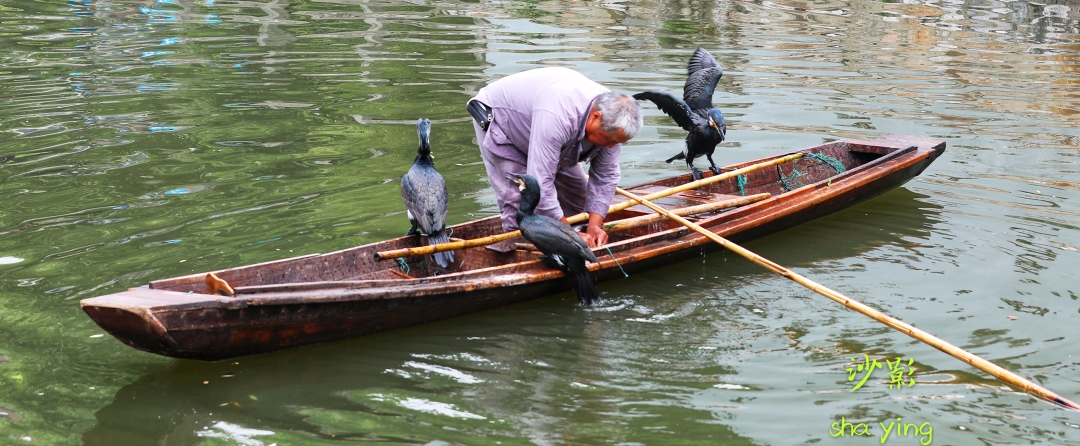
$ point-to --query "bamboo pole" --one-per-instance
(642, 220)
(903, 327)
(482, 241)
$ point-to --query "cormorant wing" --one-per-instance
(673, 106)
(703, 72)
(409, 195)
(701, 60)
(437, 202)
(553, 236)
(699, 88)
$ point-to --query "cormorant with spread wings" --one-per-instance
(695, 112)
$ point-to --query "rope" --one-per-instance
(404, 266)
(616, 261)
(739, 180)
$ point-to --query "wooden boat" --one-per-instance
(322, 297)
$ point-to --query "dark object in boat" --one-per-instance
(323, 297)
(562, 247)
(695, 112)
(424, 192)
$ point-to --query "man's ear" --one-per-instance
(595, 118)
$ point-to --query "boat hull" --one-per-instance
(308, 300)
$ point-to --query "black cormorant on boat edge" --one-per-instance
(424, 192)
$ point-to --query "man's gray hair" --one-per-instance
(619, 112)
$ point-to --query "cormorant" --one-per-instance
(563, 248)
(424, 192)
(695, 112)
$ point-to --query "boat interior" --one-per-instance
(639, 229)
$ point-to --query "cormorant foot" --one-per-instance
(715, 170)
(697, 174)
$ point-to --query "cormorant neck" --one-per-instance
(424, 134)
(423, 154)
(424, 158)
(529, 200)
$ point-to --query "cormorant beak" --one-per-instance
(712, 123)
(516, 179)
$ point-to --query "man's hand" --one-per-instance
(594, 234)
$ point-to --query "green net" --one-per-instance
(791, 182)
(832, 162)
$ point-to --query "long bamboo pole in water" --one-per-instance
(463, 244)
(905, 328)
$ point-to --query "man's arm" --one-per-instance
(604, 175)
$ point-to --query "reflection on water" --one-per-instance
(147, 139)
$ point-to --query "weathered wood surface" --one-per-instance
(321, 297)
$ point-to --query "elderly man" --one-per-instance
(545, 122)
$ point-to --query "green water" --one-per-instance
(142, 140)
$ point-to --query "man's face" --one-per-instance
(596, 135)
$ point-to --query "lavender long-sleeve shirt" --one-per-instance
(540, 118)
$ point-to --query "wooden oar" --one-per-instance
(482, 241)
(933, 341)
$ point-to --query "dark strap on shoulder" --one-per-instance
(481, 113)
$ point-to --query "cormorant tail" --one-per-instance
(443, 258)
(680, 156)
(586, 283)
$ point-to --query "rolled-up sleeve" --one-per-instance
(604, 176)
(546, 138)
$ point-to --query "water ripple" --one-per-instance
(149, 140)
